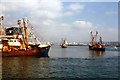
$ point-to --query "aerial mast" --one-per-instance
(26, 31)
(22, 40)
(92, 39)
(20, 27)
(1, 27)
(96, 36)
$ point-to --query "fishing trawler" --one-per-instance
(14, 41)
(63, 44)
(94, 45)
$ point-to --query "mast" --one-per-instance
(96, 36)
(21, 33)
(92, 39)
(1, 27)
(20, 30)
(100, 39)
(26, 30)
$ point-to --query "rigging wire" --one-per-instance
(30, 26)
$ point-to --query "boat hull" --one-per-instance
(63, 46)
(96, 48)
(43, 51)
(37, 51)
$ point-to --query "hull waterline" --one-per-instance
(96, 49)
(39, 52)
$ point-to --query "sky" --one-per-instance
(69, 19)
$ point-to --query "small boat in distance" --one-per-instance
(96, 45)
(63, 44)
(15, 41)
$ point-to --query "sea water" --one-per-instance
(70, 62)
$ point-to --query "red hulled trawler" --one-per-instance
(96, 45)
(14, 41)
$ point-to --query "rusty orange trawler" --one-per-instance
(96, 45)
(14, 41)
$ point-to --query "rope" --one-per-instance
(30, 26)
